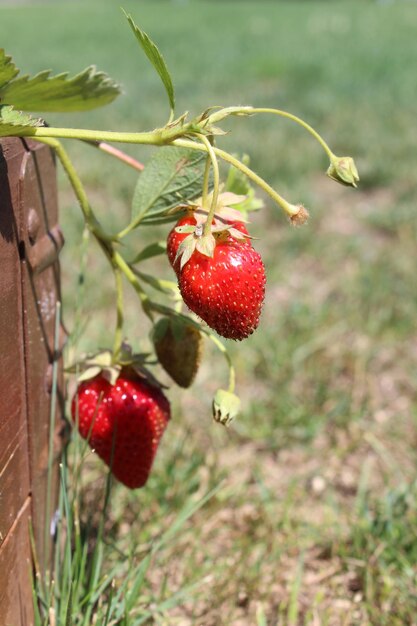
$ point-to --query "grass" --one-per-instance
(313, 516)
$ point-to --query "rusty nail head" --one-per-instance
(49, 378)
(33, 225)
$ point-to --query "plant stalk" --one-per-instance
(90, 219)
(290, 209)
(158, 137)
(300, 122)
(249, 110)
(118, 335)
(118, 154)
(206, 181)
(216, 183)
(223, 350)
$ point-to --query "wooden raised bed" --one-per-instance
(30, 241)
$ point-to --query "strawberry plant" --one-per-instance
(119, 406)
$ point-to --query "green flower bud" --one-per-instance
(343, 170)
(226, 406)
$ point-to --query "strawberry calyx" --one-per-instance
(193, 234)
(223, 231)
(206, 244)
(102, 363)
(224, 210)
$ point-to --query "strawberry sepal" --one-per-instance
(226, 406)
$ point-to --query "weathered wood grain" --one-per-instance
(16, 604)
(30, 241)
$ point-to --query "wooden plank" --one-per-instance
(30, 241)
(16, 604)
(42, 239)
(14, 466)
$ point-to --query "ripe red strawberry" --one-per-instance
(226, 290)
(123, 423)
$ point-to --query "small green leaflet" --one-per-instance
(164, 286)
(155, 57)
(12, 122)
(8, 70)
(60, 93)
(154, 249)
(172, 176)
(238, 183)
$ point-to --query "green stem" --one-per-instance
(79, 299)
(290, 209)
(133, 280)
(300, 122)
(116, 261)
(216, 182)
(223, 350)
(90, 219)
(128, 229)
(206, 181)
(158, 137)
(162, 136)
(221, 114)
(118, 335)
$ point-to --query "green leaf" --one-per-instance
(239, 184)
(171, 177)
(12, 121)
(87, 90)
(155, 57)
(164, 286)
(154, 249)
(8, 70)
(236, 181)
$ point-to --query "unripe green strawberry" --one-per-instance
(178, 347)
(123, 423)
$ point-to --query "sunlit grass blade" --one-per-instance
(68, 615)
(139, 578)
(188, 511)
(293, 607)
(52, 418)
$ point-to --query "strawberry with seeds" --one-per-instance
(226, 289)
(220, 275)
(123, 416)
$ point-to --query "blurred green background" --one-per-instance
(316, 518)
